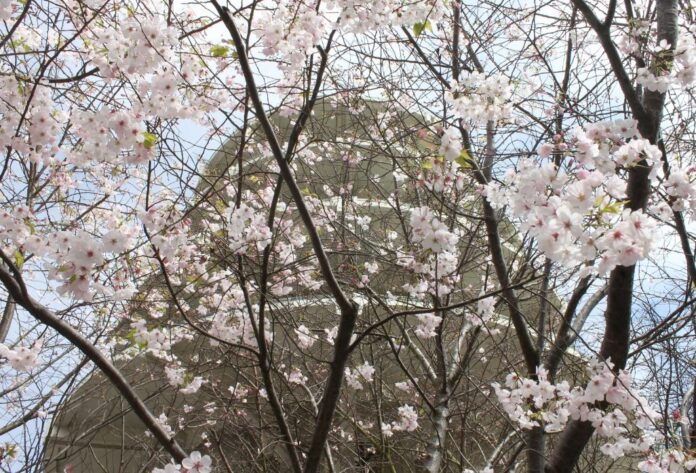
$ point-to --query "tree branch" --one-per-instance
(50, 319)
(348, 308)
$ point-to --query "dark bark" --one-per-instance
(536, 459)
(7, 316)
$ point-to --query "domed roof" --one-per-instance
(94, 430)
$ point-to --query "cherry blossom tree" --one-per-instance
(347, 236)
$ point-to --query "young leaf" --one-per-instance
(149, 140)
(219, 51)
(464, 160)
(419, 27)
(19, 259)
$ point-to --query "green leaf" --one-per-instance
(308, 192)
(220, 205)
(130, 336)
(419, 27)
(219, 51)
(615, 207)
(464, 160)
(19, 259)
(427, 165)
(149, 140)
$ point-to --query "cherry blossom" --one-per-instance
(22, 358)
(146, 207)
(450, 144)
(626, 421)
(296, 377)
(659, 78)
(478, 99)
(304, 337)
(577, 217)
(427, 325)
(197, 463)
(408, 419)
(169, 468)
(430, 231)
(6, 9)
(194, 463)
(355, 377)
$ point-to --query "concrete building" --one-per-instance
(95, 431)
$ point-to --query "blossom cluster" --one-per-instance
(296, 377)
(141, 48)
(305, 339)
(668, 68)
(293, 40)
(669, 461)
(451, 144)
(577, 217)
(157, 341)
(230, 321)
(245, 231)
(436, 264)
(485, 310)
(615, 410)
(427, 325)
(112, 45)
(478, 99)
(37, 139)
(430, 232)
(632, 40)
(178, 378)
(110, 136)
(117, 134)
(246, 228)
(22, 358)
(169, 233)
(194, 463)
(6, 9)
(442, 176)
(661, 76)
(75, 255)
(487, 469)
(681, 187)
(434, 271)
(407, 422)
(364, 372)
(360, 16)
(293, 29)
